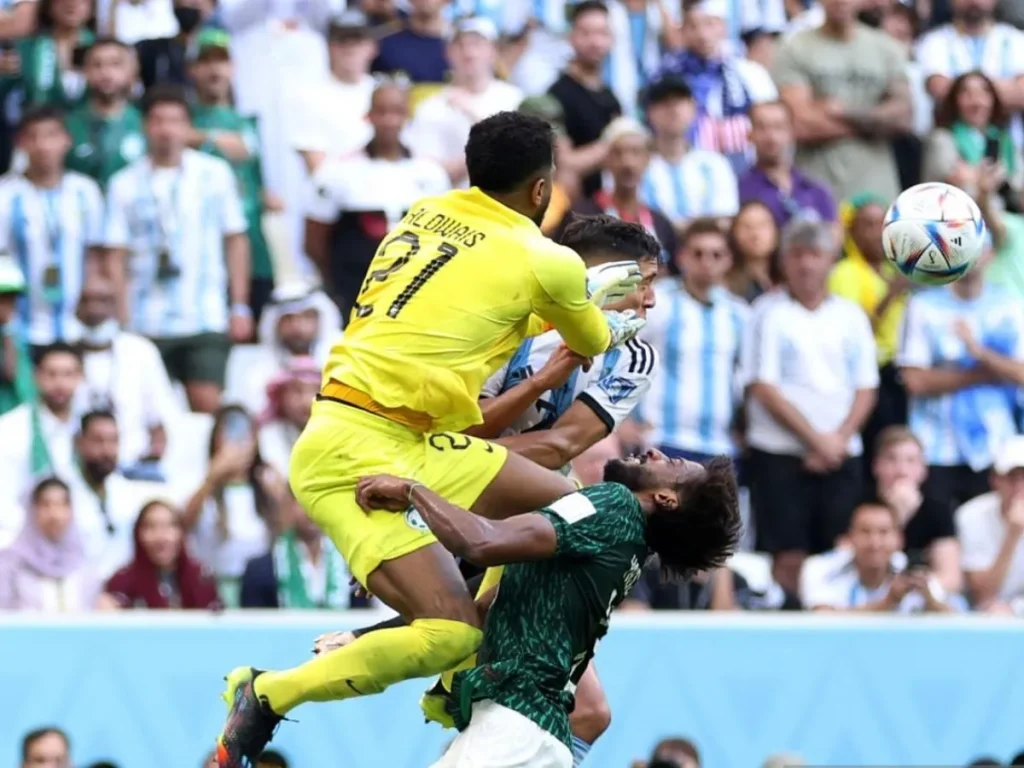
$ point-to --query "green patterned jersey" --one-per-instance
(548, 615)
(102, 146)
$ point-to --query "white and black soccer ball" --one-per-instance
(934, 233)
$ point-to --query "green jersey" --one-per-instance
(100, 147)
(548, 616)
(211, 119)
(42, 80)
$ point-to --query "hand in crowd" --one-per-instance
(241, 328)
(966, 335)
(272, 203)
(231, 459)
(828, 451)
(231, 145)
(991, 176)
(904, 496)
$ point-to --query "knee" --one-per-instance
(591, 717)
(446, 643)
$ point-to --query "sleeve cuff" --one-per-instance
(598, 409)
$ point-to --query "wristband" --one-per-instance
(412, 488)
(241, 310)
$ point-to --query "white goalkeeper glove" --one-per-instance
(612, 282)
(623, 325)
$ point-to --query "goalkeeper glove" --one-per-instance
(623, 325)
(612, 282)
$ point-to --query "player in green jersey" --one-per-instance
(569, 566)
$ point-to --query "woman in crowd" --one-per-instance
(45, 567)
(290, 397)
(161, 575)
(51, 61)
(754, 240)
(232, 514)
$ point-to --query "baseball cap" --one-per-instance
(12, 279)
(668, 88)
(347, 26)
(1010, 456)
(210, 42)
(475, 25)
(545, 107)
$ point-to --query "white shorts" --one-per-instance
(498, 737)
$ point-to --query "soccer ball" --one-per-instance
(934, 233)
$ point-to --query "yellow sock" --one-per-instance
(491, 579)
(371, 663)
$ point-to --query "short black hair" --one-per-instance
(97, 414)
(676, 744)
(104, 41)
(603, 234)
(702, 225)
(39, 733)
(273, 757)
(667, 88)
(41, 487)
(702, 532)
(57, 348)
(165, 94)
(586, 6)
(42, 114)
(508, 149)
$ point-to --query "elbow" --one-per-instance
(482, 552)
(591, 717)
(912, 382)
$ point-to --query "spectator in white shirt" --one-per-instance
(125, 375)
(37, 437)
(51, 221)
(290, 397)
(440, 127)
(329, 114)
(809, 365)
(176, 224)
(991, 533)
(682, 181)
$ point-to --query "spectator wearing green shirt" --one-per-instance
(51, 60)
(223, 132)
(16, 383)
(17, 21)
(106, 131)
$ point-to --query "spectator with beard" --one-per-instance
(290, 397)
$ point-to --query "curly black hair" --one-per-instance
(508, 149)
(603, 234)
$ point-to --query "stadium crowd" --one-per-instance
(196, 189)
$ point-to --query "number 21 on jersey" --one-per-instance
(405, 246)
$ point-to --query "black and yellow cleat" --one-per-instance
(250, 725)
(436, 704)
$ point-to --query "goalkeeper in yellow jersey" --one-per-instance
(448, 298)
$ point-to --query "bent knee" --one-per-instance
(591, 717)
(446, 643)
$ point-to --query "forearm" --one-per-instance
(500, 412)
(461, 532)
(588, 158)
(986, 584)
(812, 125)
(863, 404)
(1004, 368)
(784, 412)
(239, 268)
(993, 218)
(892, 116)
(933, 382)
(554, 448)
(1011, 93)
(194, 506)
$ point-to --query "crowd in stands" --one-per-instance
(195, 189)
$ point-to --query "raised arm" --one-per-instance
(560, 297)
(578, 428)
(480, 541)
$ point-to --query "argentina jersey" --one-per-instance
(612, 387)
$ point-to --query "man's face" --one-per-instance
(806, 270)
(297, 331)
(642, 300)
(427, 8)
(297, 400)
(71, 13)
(45, 143)
(351, 57)
(672, 117)
(50, 751)
(874, 537)
(97, 447)
(389, 112)
(108, 71)
(841, 11)
(96, 304)
(212, 76)
(167, 127)
(652, 472)
(591, 37)
(1010, 486)
(472, 55)
(866, 231)
(771, 132)
(705, 260)
(57, 378)
(703, 33)
(627, 160)
(973, 11)
(899, 462)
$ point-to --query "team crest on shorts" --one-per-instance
(413, 519)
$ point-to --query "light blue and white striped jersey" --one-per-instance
(969, 426)
(745, 15)
(181, 216)
(635, 54)
(49, 233)
(612, 387)
(701, 183)
(693, 401)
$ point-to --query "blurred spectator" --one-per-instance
(163, 61)
(870, 576)
(51, 60)
(303, 569)
(272, 759)
(754, 244)
(223, 132)
(809, 361)
(724, 86)
(17, 21)
(929, 537)
(697, 331)
(289, 400)
(682, 181)
(361, 197)
(868, 279)
(125, 375)
(46, 747)
(161, 573)
(137, 20)
(51, 221)
(962, 360)
(536, 47)
(106, 502)
(900, 21)
(329, 117)
(106, 131)
(974, 42)
(640, 31)
(16, 385)
(846, 86)
(760, 45)
(716, 591)
(773, 180)
(176, 233)
(587, 103)
(441, 124)
(566, 180)
(972, 131)
(38, 435)
(990, 529)
(588, 467)
(672, 753)
(233, 513)
(417, 51)
(627, 159)
(45, 569)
